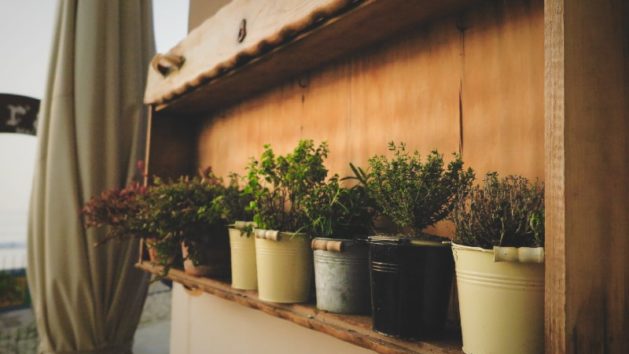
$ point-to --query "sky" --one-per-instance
(26, 30)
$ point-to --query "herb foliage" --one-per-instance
(412, 193)
(279, 185)
(188, 210)
(334, 211)
(505, 211)
(236, 201)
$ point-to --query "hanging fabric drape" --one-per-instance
(91, 133)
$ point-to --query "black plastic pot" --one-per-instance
(411, 280)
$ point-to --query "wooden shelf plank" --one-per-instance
(363, 25)
(350, 328)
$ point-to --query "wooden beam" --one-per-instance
(217, 73)
(587, 170)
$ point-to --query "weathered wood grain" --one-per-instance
(587, 120)
(555, 203)
(503, 87)
(476, 82)
(407, 90)
(219, 71)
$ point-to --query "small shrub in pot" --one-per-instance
(124, 212)
(499, 264)
(242, 246)
(413, 194)
(189, 211)
(505, 211)
(279, 185)
(121, 210)
(341, 218)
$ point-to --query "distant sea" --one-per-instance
(13, 239)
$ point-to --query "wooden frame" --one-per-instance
(288, 52)
(586, 171)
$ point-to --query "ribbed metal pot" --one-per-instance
(284, 265)
(501, 303)
(342, 275)
(411, 281)
(243, 258)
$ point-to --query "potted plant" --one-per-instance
(279, 185)
(118, 209)
(123, 212)
(341, 220)
(242, 244)
(411, 272)
(499, 256)
(189, 212)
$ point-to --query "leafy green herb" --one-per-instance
(279, 185)
(412, 193)
(236, 201)
(334, 211)
(505, 211)
(188, 210)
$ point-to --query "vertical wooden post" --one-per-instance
(147, 148)
(587, 173)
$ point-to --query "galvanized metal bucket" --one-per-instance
(342, 275)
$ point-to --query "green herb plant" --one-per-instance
(335, 211)
(279, 184)
(236, 201)
(236, 204)
(505, 211)
(411, 193)
(188, 210)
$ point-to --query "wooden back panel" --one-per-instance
(471, 83)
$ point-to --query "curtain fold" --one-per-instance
(91, 134)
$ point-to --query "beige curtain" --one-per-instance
(91, 133)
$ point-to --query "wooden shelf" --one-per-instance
(353, 329)
(359, 25)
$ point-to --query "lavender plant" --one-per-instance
(505, 211)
